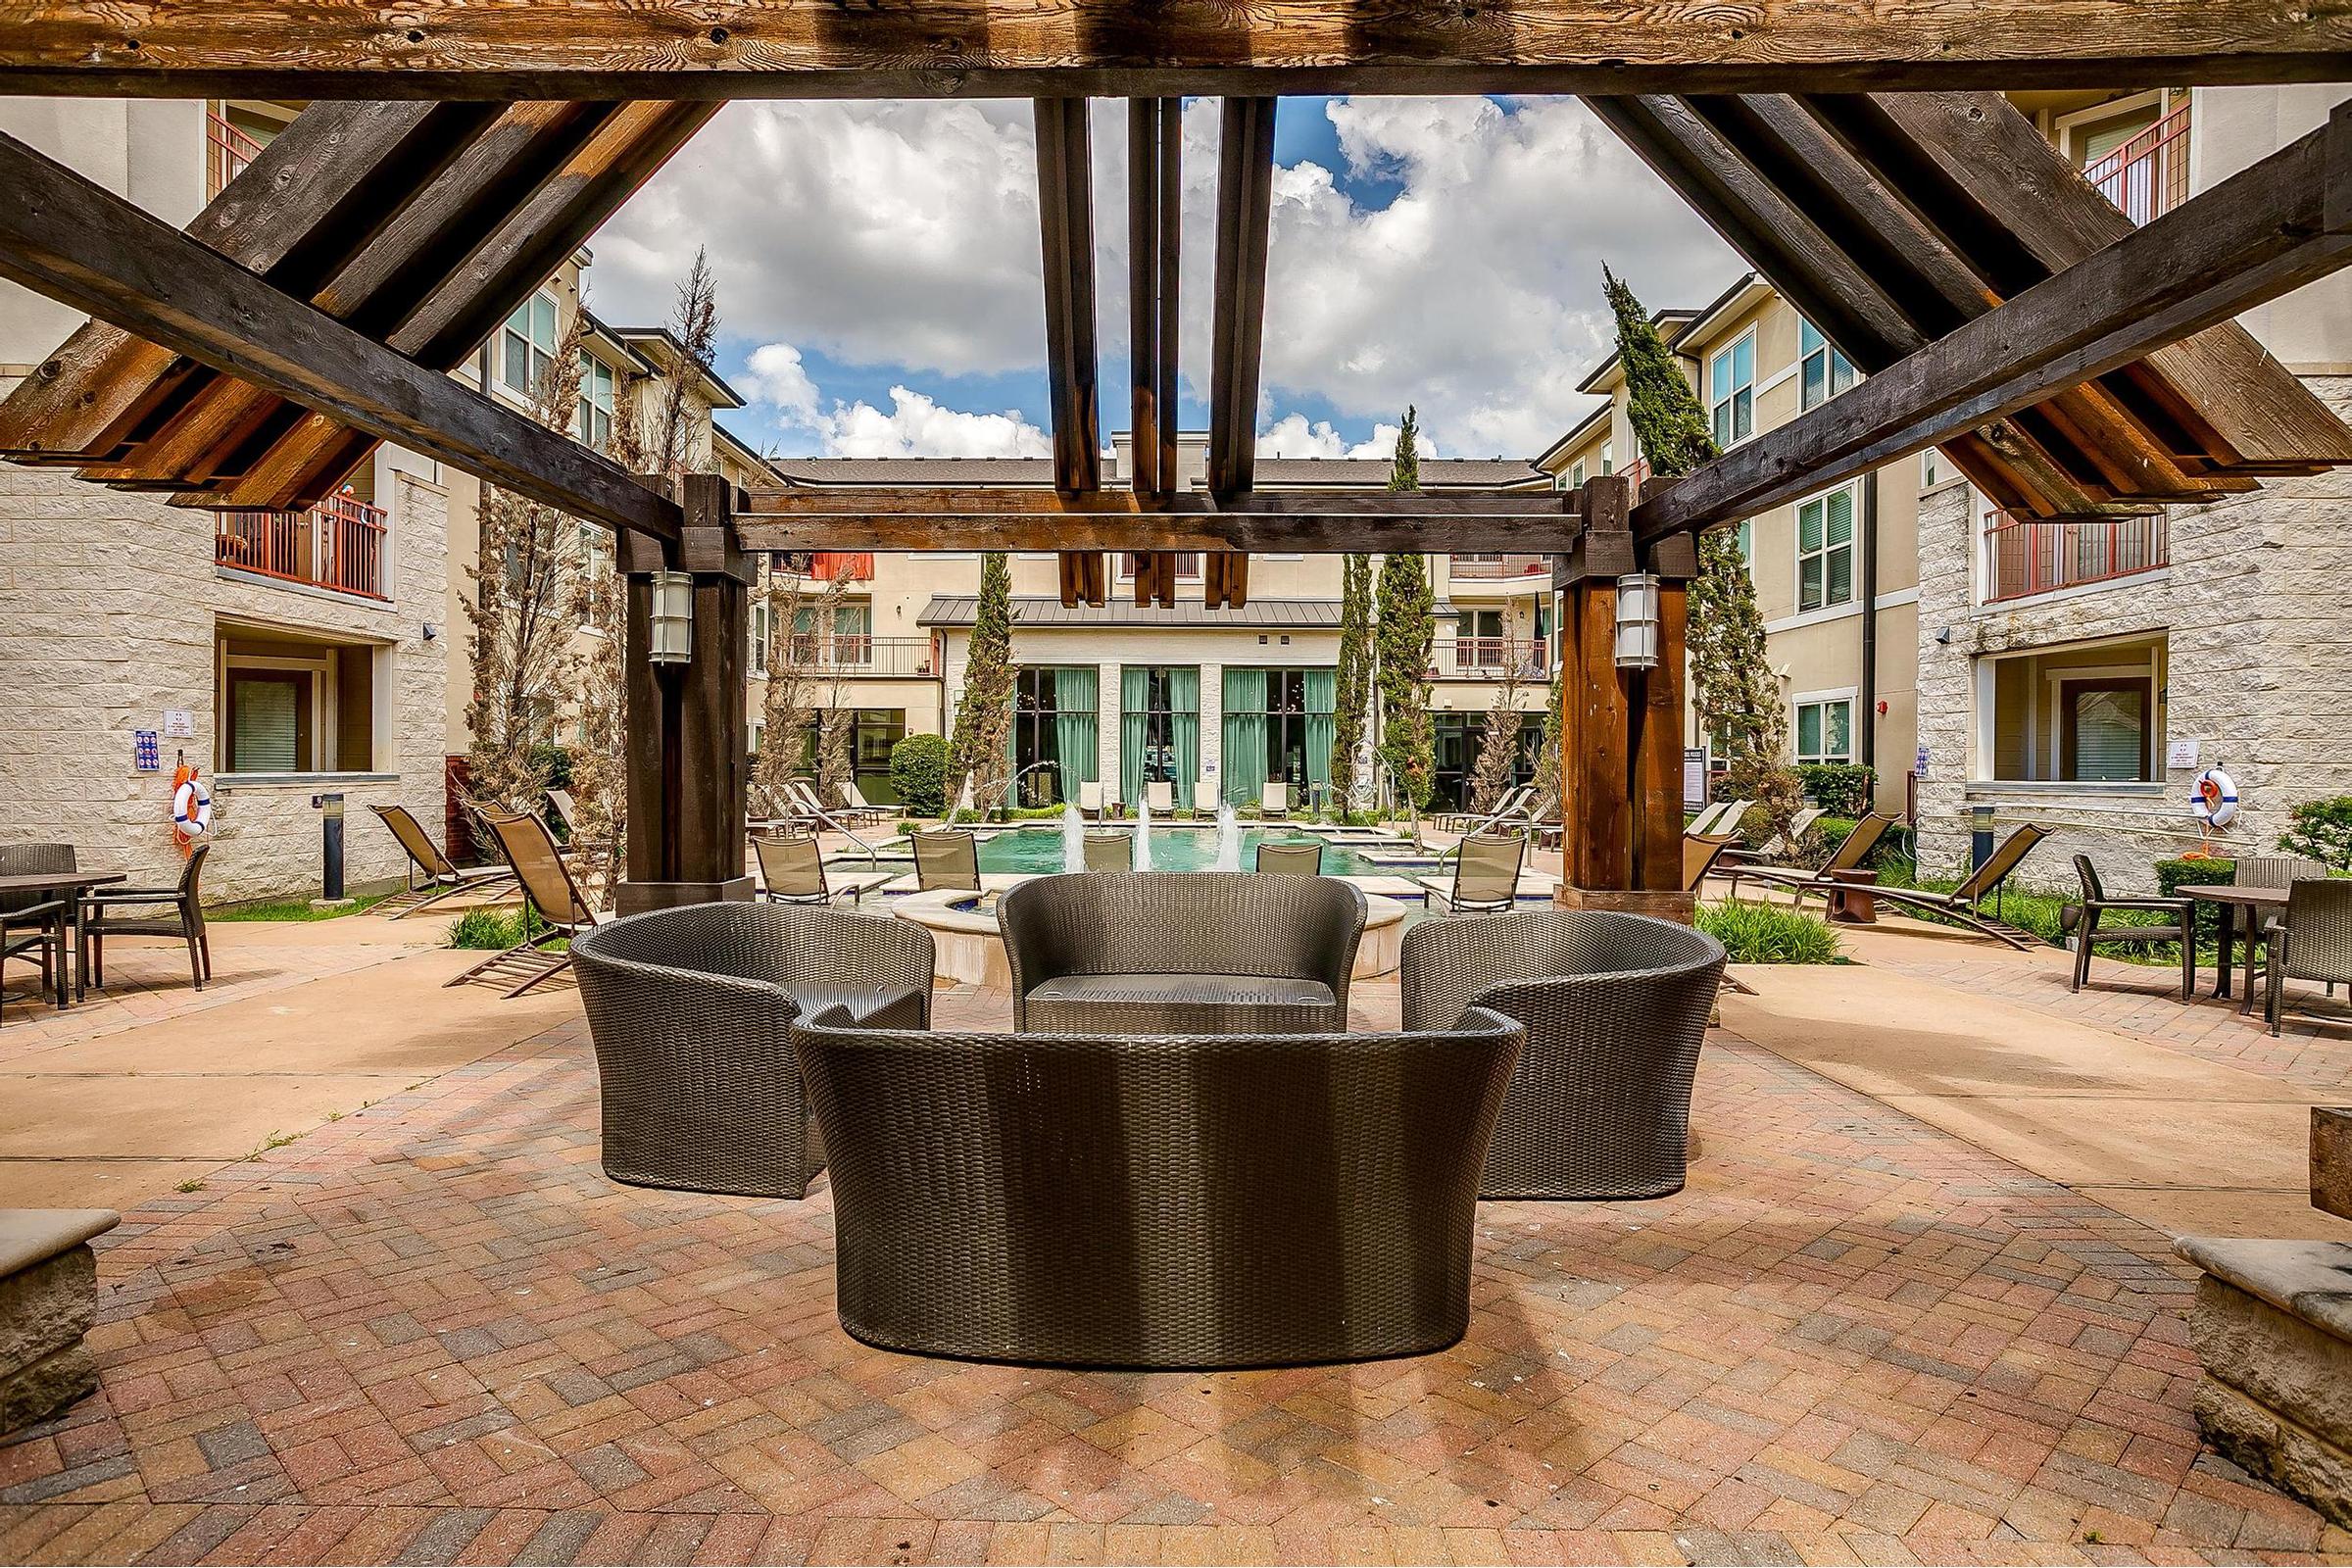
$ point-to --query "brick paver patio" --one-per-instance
(433, 1331)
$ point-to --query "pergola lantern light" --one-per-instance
(1637, 621)
(672, 640)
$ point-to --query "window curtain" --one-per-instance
(1184, 723)
(1322, 698)
(1075, 726)
(1244, 735)
(1135, 693)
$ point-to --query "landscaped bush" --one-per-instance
(1894, 850)
(1768, 933)
(2173, 875)
(918, 771)
(491, 930)
(2323, 830)
(1839, 789)
(555, 761)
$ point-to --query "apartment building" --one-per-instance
(1124, 695)
(1836, 572)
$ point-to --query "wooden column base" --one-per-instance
(1664, 903)
(635, 897)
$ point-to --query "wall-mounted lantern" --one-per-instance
(1637, 621)
(673, 641)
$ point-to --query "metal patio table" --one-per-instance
(2258, 903)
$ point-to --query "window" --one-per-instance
(1608, 457)
(1188, 566)
(1576, 475)
(1159, 759)
(293, 705)
(1931, 468)
(1286, 725)
(269, 721)
(2103, 731)
(593, 424)
(762, 631)
(1732, 392)
(527, 345)
(1822, 372)
(1825, 732)
(1825, 551)
(846, 640)
(1748, 545)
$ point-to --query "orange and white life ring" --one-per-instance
(2214, 798)
(191, 806)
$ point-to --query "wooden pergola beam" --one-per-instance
(84, 246)
(1238, 331)
(1029, 48)
(1065, 212)
(2255, 236)
(1154, 267)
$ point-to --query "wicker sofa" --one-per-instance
(692, 1011)
(1116, 1200)
(1181, 953)
(1615, 1008)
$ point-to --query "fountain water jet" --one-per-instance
(1073, 838)
(1229, 838)
(1143, 835)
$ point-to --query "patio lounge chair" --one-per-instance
(1485, 874)
(2089, 936)
(856, 810)
(1779, 844)
(2314, 941)
(1856, 848)
(173, 912)
(34, 925)
(1615, 1008)
(1274, 799)
(1109, 851)
(947, 859)
(1704, 821)
(1161, 796)
(1291, 860)
(1963, 903)
(1117, 1199)
(1701, 852)
(1181, 953)
(792, 869)
(441, 879)
(1207, 801)
(691, 1010)
(1090, 799)
(568, 812)
(1510, 809)
(550, 895)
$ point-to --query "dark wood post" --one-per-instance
(687, 764)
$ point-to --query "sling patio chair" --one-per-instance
(2312, 941)
(1291, 860)
(174, 913)
(1486, 875)
(1274, 799)
(33, 925)
(1161, 796)
(1207, 801)
(551, 901)
(1856, 848)
(946, 859)
(1508, 810)
(1109, 851)
(1701, 852)
(567, 811)
(856, 810)
(441, 879)
(792, 869)
(1779, 844)
(1090, 799)
(1704, 821)
(1963, 903)
(2090, 935)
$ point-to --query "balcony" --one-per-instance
(857, 655)
(1495, 567)
(336, 545)
(2146, 176)
(1488, 658)
(2024, 557)
(227, 150)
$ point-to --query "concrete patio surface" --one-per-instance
(1916, 1304)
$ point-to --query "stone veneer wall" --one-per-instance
(2258, 671)
(108, 607)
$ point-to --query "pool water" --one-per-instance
(1173, 849)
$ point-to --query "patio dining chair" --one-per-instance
(946, 858)
(2312, 942)
(439, 878)
(33, 925)
(792, 869)
(1109, 851)
(1485, 874)
(1291, 860)
(552, 902)
(2270, 871)
(175, 913)
(1161, 796)
(2089, 935)
(1964, 903)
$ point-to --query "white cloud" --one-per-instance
(775, 376)
(915, 425)
(1291, 436)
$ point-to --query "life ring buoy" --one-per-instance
(191, 809)
(2214, 798)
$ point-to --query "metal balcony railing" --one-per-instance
(1489, 567)
(1488, 658)
(338, 544)
(850, 654)
(2023, 558)
(2147, 177)
(227, 150)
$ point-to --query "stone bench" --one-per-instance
(48, 1299)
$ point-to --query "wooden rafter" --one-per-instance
(1238, 334)
(69, 238)
(591, 49)
(1154, 263)
(1066, 228)
(2257, 235)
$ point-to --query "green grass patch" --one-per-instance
(291, 909)
(1769, 933)
(494, 930)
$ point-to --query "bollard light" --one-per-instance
(673, 641)
(1637, 621)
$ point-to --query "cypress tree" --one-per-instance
(1405, 616)
(1354, 678)
(984, 718)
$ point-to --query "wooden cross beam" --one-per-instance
(1154, 264)
(2255, 236)
(613, 49)
(1238, 334)
(88, 247)
(1066, 228)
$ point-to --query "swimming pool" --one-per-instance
(1038, 850)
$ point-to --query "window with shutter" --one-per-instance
(266, 724)
(1825, 550)
(2106, 731)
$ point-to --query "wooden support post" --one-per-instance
(688, 769)
(1656, 743)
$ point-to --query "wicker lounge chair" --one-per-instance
(32, 924)
(2313, 942)
(1962, 905)
(1292, 860)
(441, 879)
(1274, 799)
(2089, 935)
(792, 869)
(1109, 851)
(550, 895)
(1161, 796)
(1181, 953)
(174, 912)
(947, 859)
(1130, 1201)
(1615, 1008)
(1856, 848)
(692, 1010)
(1486, 875)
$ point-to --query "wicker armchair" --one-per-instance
(1181, 953)
(2314, 941)
(1615, 1008)
(692, 1010)
(1156, 1202)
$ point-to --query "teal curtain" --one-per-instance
(1184, 704)
(1076, 726)
(1244, 735)
(1322, 698)
(1135, 692)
